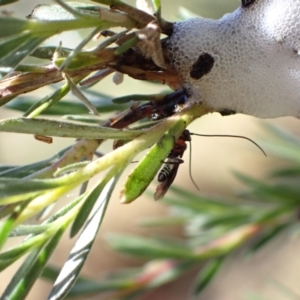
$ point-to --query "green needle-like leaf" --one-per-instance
(150, 248)
(5, 228)
(206, 274)
(80, 251)
(5, 168)
(64, 129)
(89, 201)
(84, 286)
(5, 2)
(26, 170)
(48, 101)
(288, 172)
(157, 4)
(37, 229)
(231, 219)
(140, 97)
(277, 193)
(22, 271)
(127, 45)
(47, 52)
(108, 2)
(12, 26)
(147, 168)
(13, 43)
(14, 187)
(31, 269)
(19, 48)
(199, 203)
(266, 236)
(35, 241)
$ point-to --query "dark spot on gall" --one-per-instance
(247, 3)
(227, 112)
(202, 66)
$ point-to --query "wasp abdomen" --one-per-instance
(164, 173)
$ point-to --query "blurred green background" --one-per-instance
(213, 161)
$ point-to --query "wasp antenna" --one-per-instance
(232, 136)
(190, 168)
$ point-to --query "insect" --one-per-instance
(154, 110)
(169, 171)
(44, 138)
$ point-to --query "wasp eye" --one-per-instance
(246, 3)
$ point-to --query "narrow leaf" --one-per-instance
(50, 273)
(23, 171)
(86, 208)
(14, 187)
(158, 273)
(84, 286)
(36, 241)
(206, 274)
(80, 251)
(140, 97)
(5, 2)
(5, 168)
(37, 229)
(48, 101)
(108, 2)
(61, 108)
(11, 26)
(149, 248)
(233, 219)
(266, 236)
(286, 193)
(21, 273)
(31, 269)
(199, 203)
(17, 54)
(9, 45)
(47, 52)
(292, 172)
(5, 228)
(147, 168)
(157, 4)
(64, 129)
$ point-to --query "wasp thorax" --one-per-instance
(248, 61)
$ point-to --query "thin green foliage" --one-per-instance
(214, 227)
(66, 129)
(206, 274)
(80, 251)
(31, 269)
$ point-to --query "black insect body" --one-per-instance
(167, 169)
(168, 173)
(153, 110)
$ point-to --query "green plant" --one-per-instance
(216, 226)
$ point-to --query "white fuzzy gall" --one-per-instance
(247, 62)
